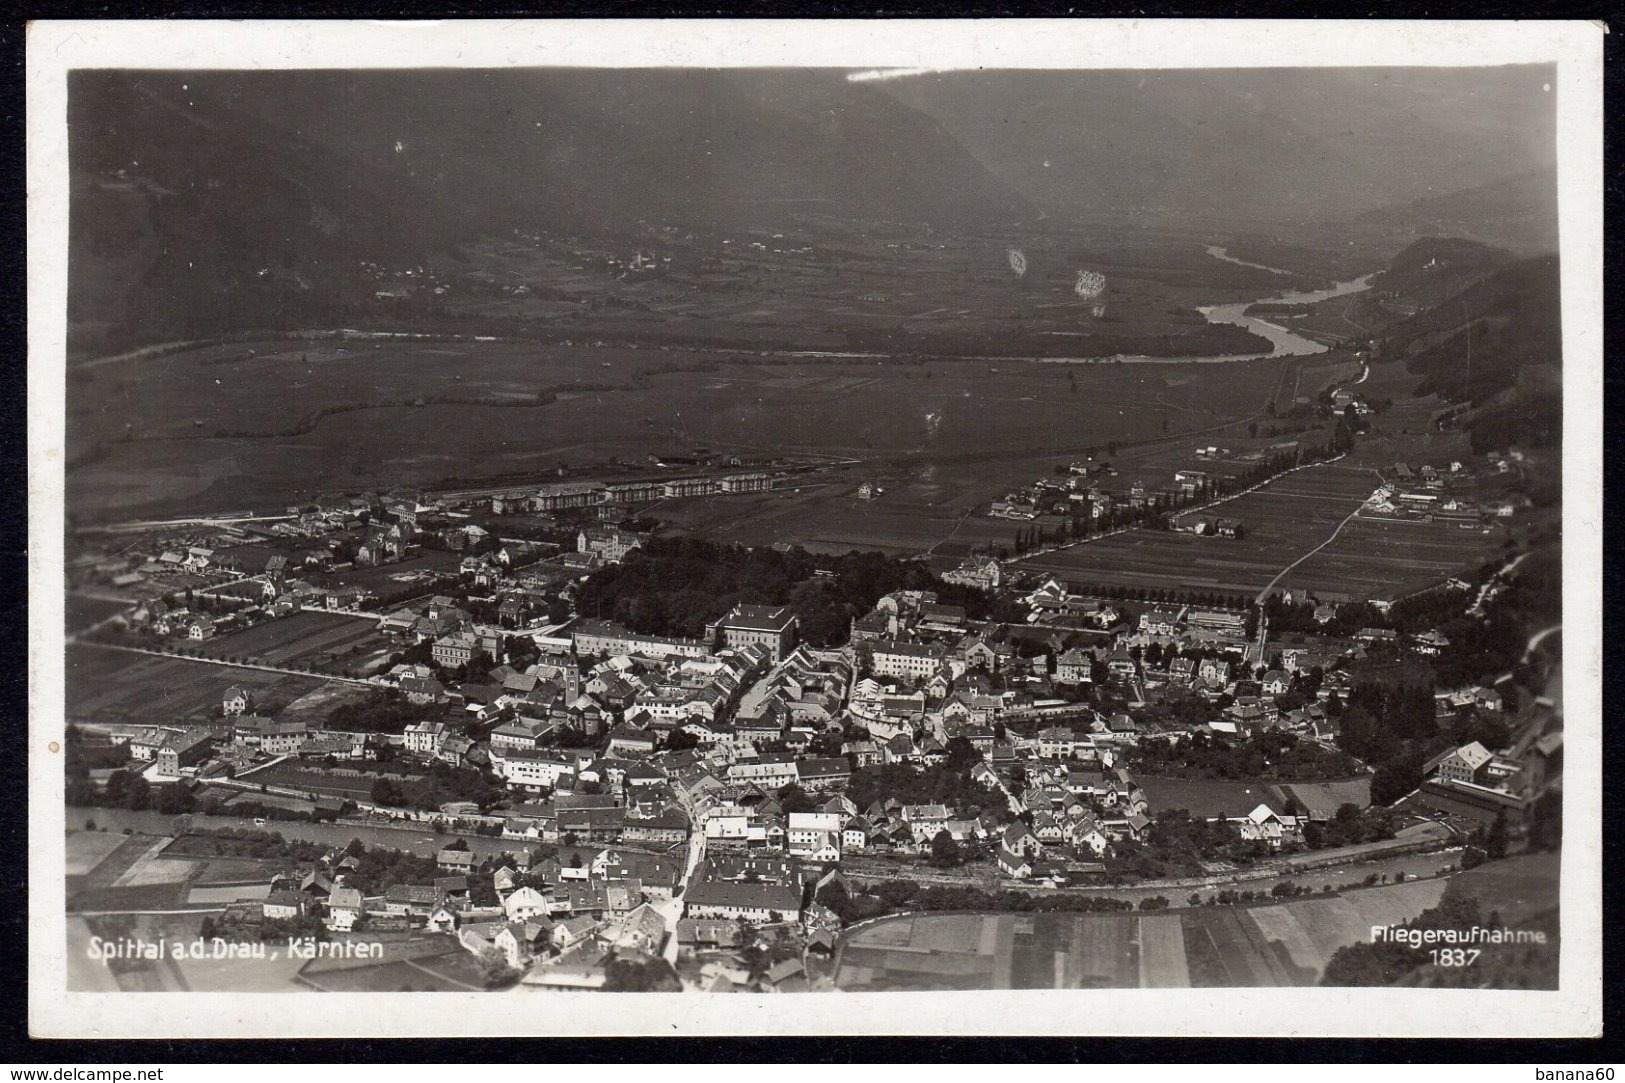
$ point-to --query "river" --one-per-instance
(1221, 253)
(1283, 343)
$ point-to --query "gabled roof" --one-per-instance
(1015, 833)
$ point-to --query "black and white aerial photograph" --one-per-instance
(545, 529)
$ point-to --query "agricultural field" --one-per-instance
(1328, 796)
(132, 874)
(106, 685)
(200, 975)
(315, 705)
(1209, 797)
(421, 964)
(1333, 321)
(325, 641)
(87, 849)
(1519, 888)
(1287, 520)
(915, 513)
(828, 286)
(1312, 377)
(1283, 944)
(1396, 556)
(1281, 522)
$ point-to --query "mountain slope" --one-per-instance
(1497, 346)
(1513, 322)
(225, 193)
(1517, 212)
(1433, 270)
(1266, 144)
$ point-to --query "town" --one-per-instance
(579, 763)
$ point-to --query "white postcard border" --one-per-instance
(1576, 47)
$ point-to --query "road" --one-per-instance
(222, 662)
(1493, 585)
(226, 519)
(1416, 865)
(1540, 637)
(1284, 572)
(416, 839)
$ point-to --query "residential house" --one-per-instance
(1266, 825)
(1020, 840)
(1074, 667)
(1015, 865)
(525, 903)
(1159, 622)
(455, 860)
(1466, 764)
(345, 908)
(819, 773)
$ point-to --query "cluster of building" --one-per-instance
(1429, 493)
(565, 495)
(1087, 492)
(1082, 492)
(1485, 784)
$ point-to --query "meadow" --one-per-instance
(373, 419)
(323, 641)
(105, 685)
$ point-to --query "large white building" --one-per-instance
(604, 638)
(770, 627)
(767, 774)
(911, 660)
(808, 832)
(536, 769)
